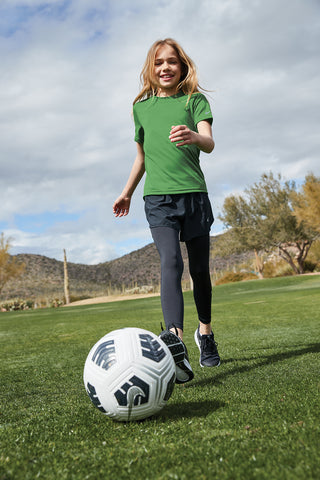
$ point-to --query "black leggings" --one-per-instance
(167, 242)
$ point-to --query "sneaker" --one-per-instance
(179, 352)
(209, 356)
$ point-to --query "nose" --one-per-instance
(165, 66)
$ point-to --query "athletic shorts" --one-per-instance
(188, 213)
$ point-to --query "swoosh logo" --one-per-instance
(132, 394)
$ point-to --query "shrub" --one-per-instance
(17, 304)
(231, 277)
(55, 303)
(278, 268)
(309, 266)
(314, 255)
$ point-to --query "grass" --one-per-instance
(254, 417)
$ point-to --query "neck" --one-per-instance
(166, 93)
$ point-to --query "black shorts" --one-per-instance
(188, 213)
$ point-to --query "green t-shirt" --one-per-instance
(170, 169)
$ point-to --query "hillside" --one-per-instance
(43, 276)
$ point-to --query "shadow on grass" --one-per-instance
(264, 360)
(190, 410)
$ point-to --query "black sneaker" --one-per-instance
(209, 356)
(179, 352)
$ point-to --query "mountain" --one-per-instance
(43, 276)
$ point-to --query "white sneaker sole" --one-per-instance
(177, 348)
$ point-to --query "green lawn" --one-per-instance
(254, 417)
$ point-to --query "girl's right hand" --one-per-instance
(121, 206)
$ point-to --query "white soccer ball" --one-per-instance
(129, 374)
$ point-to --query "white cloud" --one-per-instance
(70, 71)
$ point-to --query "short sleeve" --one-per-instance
(201, 109)
(139, 131)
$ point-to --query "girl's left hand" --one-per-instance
(183, 135)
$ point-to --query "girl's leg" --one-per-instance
(198, 252)
(167, 242)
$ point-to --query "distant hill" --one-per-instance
(43, 276)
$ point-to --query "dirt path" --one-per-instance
(112, 298)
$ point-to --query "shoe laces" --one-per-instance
(208, 344)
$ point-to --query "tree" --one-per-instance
(306, 204)
(263, 220)
(10, 267)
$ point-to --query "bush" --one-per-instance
(314, 252)
(55, 303)
(231, 277)
(76, 298)
(12, 305)
(279, 268)
(282, 269)
(310, 266)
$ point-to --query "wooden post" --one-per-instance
(66, 279)
(191, 282)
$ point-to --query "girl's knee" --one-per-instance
(200, 274)
(172, 261)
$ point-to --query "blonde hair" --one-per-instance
(189, 79)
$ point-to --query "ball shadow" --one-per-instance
(189, 410)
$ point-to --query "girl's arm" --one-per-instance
(203, 138)
(122, 205)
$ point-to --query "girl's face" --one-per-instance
(167, 70)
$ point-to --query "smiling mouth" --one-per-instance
(166, 77)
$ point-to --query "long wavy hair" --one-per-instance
(189, 79)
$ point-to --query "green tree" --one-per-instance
(307, 203)
(10, 267)
(263, 220)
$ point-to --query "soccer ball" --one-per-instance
(129, 374)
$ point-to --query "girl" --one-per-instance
(172, 125)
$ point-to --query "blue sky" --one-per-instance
(69, 71)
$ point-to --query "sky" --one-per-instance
(69, 72)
